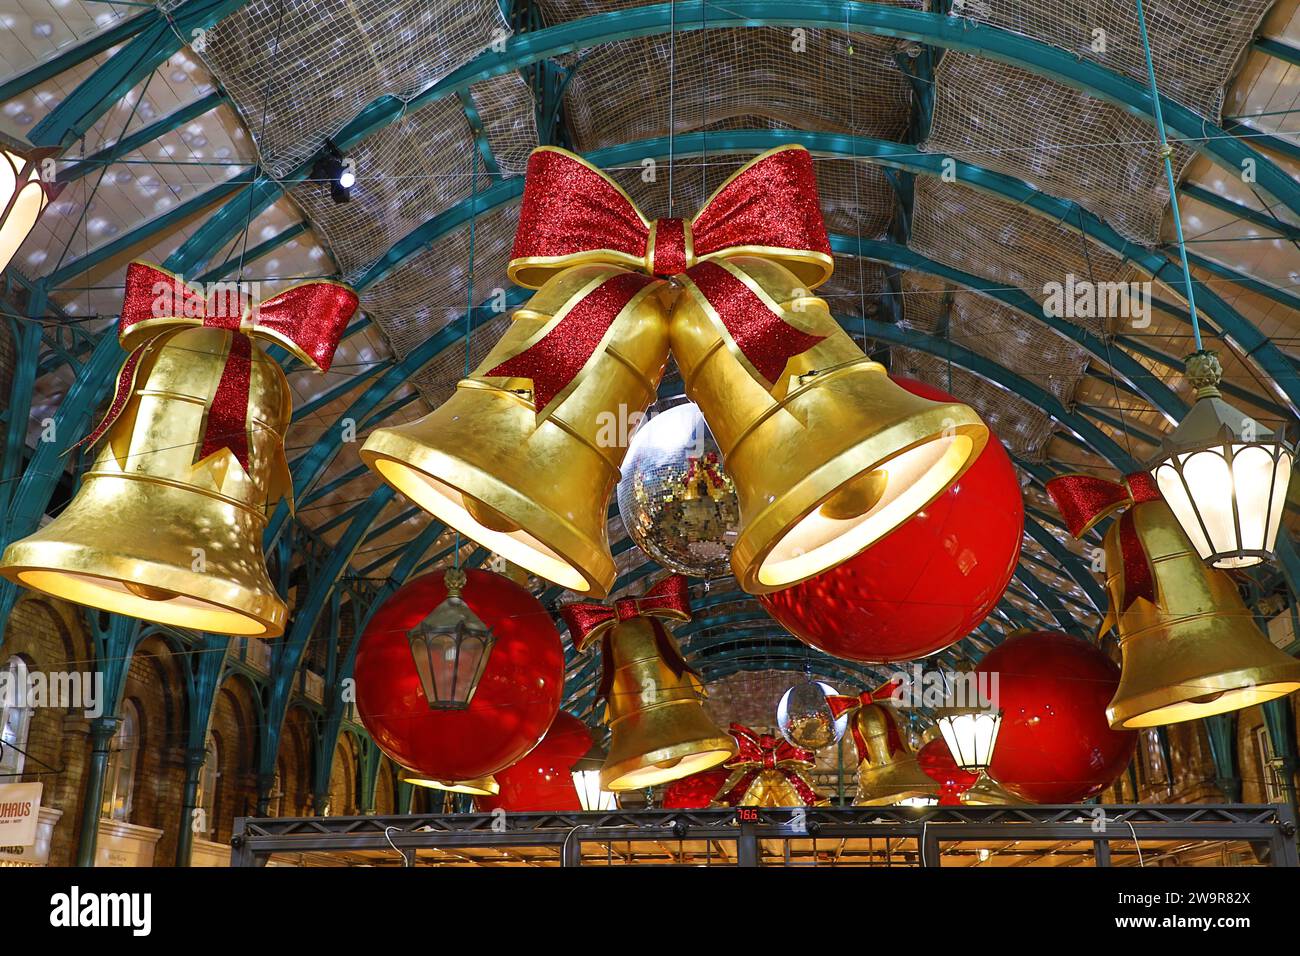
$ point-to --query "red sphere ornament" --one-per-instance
(1055, 744)
(543, 779)
(935, 761)
(516, 700)
(696, 791)
(926, 584)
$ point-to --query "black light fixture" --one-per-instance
(451, 648)
(337, 170)
(968, 721)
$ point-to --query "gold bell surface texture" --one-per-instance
(888, 772)
(153, 533)
(659, 730)
(1196, 651)
(831, 458)
(535, 489)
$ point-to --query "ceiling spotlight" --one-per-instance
(337, 170)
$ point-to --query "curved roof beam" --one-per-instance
(933, 29)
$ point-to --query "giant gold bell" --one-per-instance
(535, 491)
(152, 533)
(834, 456)
(888, 772)
(1196, 650)
(659, 730)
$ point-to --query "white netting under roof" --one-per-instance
(299, 70)
(985, 327)
(724, 74)
(856, 198)
(995, 239)
(1195, 44)
(414, 169)
(1023, 427)
(1057, 139)
(855, 288)
(422, 295)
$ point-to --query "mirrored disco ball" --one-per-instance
(804, 716)
(676, 502)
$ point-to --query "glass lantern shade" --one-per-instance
(586, 781)
(22, 198)
(1224, 475)
(971, 734)
(450, 648)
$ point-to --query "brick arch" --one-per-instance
(234, 725)
(155, 682)
(343, 777)
(386, 788)
(294, 763)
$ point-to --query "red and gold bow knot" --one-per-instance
(308, 320)
(589, 622)
(757, 753)
(573, 214)
(842, 704)
(1084, 500)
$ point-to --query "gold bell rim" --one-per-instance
(760, 560)
(1231, 691)
(32, 564)
(643, 770)
(433, 480)
(477, 787)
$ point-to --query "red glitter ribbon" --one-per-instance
(842, 704)
(555, 361)
(1084, 500)
(706, 466)
(588, 621)
(758, 752)
(573, 213)
(307, 319)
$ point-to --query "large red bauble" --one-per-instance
(516, 701)
(1055, 744)
(935, 761)
(696, 791)
(542, 780)
(927, 583)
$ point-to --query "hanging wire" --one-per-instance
(469, 293)
(1166, 152)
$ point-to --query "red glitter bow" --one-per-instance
(759, 752)
(706, 466)
(572, 214)
(842, 704)
(1084, 500)
(588, 621)
(307, 319)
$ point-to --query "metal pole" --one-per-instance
(1166, 151)
(194, 760)
(101, 736)
(747, 846)
(1101, 851)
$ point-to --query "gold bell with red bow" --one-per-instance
(768, 771)
(524, 456)
(888, 771)
(167, 523)
(1190, 646)
(654, 702)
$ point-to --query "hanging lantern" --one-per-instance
(936, 762)
(971, 733)
(167, 522)
(586, 781)
(23, 196)
(675, 500)
(805, 718)
(1191, 647)
(969, 727)
(479, 787)
(1224, 475)
(518, 694)
(451, 648)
